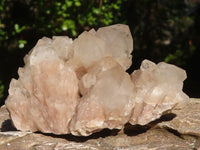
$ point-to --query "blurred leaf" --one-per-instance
(69, 3)
(19, 29)
(2, 5)
(68, 25)
(1, 89)
(173, 57)
(96, 11)
(48, 12)
(115, 6)
(77, 3)
(21, 43)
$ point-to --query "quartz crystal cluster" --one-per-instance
(81, 86)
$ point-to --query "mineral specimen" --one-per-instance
(158, 89)
(115, 41)
(81, 86)
(45, 96)
(107, 99)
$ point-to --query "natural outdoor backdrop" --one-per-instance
(162, 30)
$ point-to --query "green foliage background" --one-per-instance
(162, 30)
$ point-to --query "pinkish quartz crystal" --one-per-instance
(158, 88)
(115, 41)
(81, 86)
(45, 96)
(107, 99)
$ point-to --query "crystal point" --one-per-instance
(81, 86)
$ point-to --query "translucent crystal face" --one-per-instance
(158, 89)
(81, 86)
(108, 99)
(45, 88)
(115, 41)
